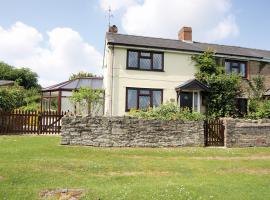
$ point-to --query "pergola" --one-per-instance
(57, 97)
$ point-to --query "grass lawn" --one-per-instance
(30, 164)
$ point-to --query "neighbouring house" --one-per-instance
(57, 97)
(5, 83)
(144, 71)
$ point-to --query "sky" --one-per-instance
(56, 38)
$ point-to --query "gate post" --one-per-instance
(205, 126)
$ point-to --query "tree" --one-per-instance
(81, 75)
(207, 66)
(88, 97)
(256, 92)
(11, 98)
(23, 76)
(256, 87)
(224, 88)
(31, 100)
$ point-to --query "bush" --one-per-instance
(262, 110)
(11, 98)
(169, 111)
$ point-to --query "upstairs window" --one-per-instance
(141, 98)
(145, 60)
(237, 67)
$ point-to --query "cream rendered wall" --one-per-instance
(178, 68)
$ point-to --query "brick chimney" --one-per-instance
(113, 29)
(185, 34)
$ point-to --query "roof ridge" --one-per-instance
(193, 42)
(250, 48)
(145, 36)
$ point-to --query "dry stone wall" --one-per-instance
(247, 133)
(130, 132)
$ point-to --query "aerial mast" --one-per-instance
(110, 16)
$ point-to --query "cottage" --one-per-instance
(144, 71)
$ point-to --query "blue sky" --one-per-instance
(59, 37)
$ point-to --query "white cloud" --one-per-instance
(115, 4)
(226, 28)
(211, 20)
(64, 53)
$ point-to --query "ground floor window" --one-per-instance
(143, 98)
(190, 100)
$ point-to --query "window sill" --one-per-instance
(148, 70)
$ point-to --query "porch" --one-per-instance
(191, 95)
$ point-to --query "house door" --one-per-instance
(186, 100)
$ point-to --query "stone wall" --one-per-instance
(130, 132)
(247, 133)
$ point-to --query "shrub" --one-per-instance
(169, 111)
(262, 110)
(11, 98)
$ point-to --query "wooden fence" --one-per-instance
(26, 122)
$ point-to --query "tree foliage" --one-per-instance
(207, 66)
(224, 88)
(81, 75)
(31, 100)
(88, 97)
(16, 97)
(23, 76)
(11, 98)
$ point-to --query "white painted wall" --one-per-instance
(178, 68)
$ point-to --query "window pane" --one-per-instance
(144, 92)
(156, 98)
(145, 63)
(144, 102)
(243, 69)
(146, 54)
(195, 102)
(133, 59)
(157, 61)
(235, 70)
(227, 67)
(132, 98)
(235, 65)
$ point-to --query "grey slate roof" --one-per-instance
(170, 44)
(192, 84)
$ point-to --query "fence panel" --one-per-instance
(26, 122)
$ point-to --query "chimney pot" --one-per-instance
(113, 29)
(185, 34)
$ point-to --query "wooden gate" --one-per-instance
(25, 122)
(214, 132)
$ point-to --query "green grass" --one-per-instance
(30, 164)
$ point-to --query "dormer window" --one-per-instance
(145, 60)
(237, 67)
